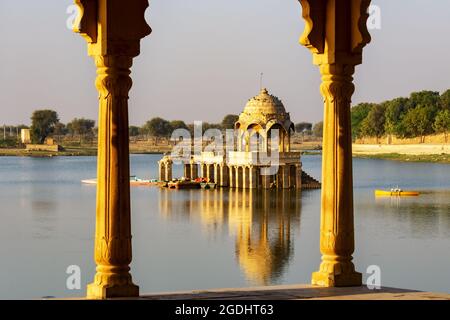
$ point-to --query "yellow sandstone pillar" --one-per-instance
(113, 30)
(231, 178)
(187, 170)
(298, 176)
(224, 175)
(336, 33)
(194, 169)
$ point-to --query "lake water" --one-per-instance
(200, 239)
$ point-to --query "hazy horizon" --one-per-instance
(204, 59)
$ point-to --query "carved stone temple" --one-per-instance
(261, 156)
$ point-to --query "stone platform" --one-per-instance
(300, 292)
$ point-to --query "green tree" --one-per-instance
(318, 129)
(42, 124)
(395, 111)
(442, 123)
(134, 131)
(358, 114)
(157, 127)
(207, 126)
(373, 124)
(60, 129)
(178, 124)
(417, 122)
(81, 127)
(445, 100)
(229, 121)
(303, 126)
(424, 98)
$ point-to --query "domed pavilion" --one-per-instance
(261, 115)
(261, 156)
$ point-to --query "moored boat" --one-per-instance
(134, 181)
(396, 193)
(208, 185)
(183, 184)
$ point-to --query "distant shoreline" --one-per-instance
(407, 153)
(66, 153)
(437, 153)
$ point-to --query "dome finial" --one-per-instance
(264, 91)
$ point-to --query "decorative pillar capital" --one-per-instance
(112, 27)
(335, 30)
(337, 83)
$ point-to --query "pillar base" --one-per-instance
(107, 291)
(326, 279)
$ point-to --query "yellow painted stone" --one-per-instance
(113, 30)
(336, 32)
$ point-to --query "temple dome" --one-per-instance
(264, 103)
(264, 110)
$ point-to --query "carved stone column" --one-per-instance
(162, 170)
(217, 173)
(239, 176)
(210, 172)
(169, 170)
(285, 174)
(203, 172)
(231, 177)
(253, 178)
(187, 170)
(113, 30)
(113, 225)
(336, 33)
(245, 177)
(194, 170)
(224, 178)
(298, 176)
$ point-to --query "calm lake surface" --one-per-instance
(200, 239)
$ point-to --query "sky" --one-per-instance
(204, 59)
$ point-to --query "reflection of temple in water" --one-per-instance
(262, 224)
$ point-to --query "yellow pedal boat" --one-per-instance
(396, 193)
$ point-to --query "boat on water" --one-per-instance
(396, 192)
(183, 184)
(208, 185)
(134, 181)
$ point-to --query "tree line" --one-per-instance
(421, 114)
(46, 123)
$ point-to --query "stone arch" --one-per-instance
(282, 134)
(255, 131)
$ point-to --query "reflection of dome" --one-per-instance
(264, 110)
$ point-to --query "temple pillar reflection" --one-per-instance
(113, 30)
(336, 32)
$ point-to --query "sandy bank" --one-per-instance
(407, 149)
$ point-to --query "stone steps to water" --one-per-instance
(309, 182)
